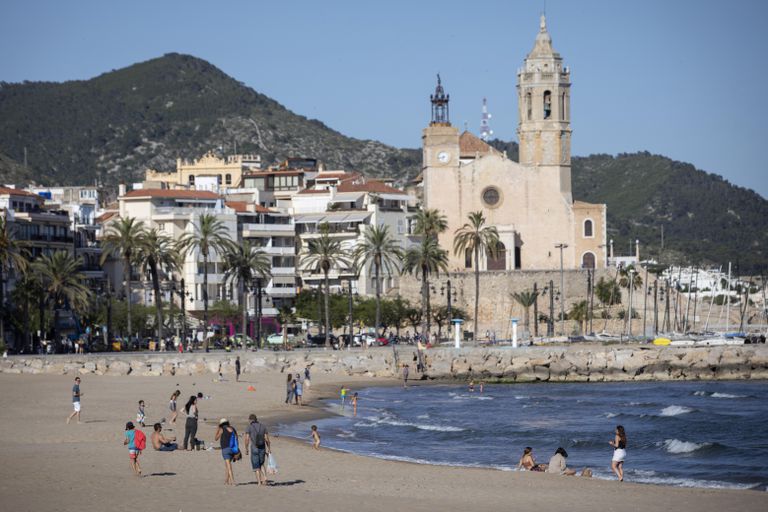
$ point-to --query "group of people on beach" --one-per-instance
(557, 463)
(294, 387)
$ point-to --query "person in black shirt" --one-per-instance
(224, 434)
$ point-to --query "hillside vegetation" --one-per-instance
(112, 127)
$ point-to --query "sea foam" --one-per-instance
(677, 447)
(675, 410)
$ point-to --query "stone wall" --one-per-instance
(576, 363)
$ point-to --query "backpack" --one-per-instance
(259, 441)
(140, 440)
(233, 443)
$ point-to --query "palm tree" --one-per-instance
(12, 256)
(624, 279)
(157, 252)
(430, 223)
(121, 241)
(383, 251)
(580, 312)
(285, 316)
(526, 299)
(475, 236)
(62, 282)
(323, 254)
(209, 236)
(243, 263)
(422, 260)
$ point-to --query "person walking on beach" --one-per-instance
(307, 382)
(224, 434)
(134, 450)
(76, 394)
(257, 441)
(619, 444)
(237, 369)
(299, 391)
(315, 438)
(405, 375)
(289, 389)
(354, 404)
(172, 406)
(140, 414)
(190, 427)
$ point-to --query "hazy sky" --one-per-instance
(681, 78)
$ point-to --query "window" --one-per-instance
(562, 107)
(529, 105)
(228, 179)
(467, 258)
(588, 229)
(491, 197)
(588, 260)
(191, 179)
(400, 227)
(218, 179)
(161, 226)
(547, 104)
(497, 261)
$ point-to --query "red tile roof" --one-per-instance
(245, 207)
(373, 186)
(313, 191)
(469, 146)
(104, 217)
(172, 194)
(17, 192)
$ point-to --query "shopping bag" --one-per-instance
(271, 464)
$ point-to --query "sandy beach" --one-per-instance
(49, 465)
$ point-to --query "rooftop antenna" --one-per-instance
(466, 126)
(485, 128)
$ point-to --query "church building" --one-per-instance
(529, 202)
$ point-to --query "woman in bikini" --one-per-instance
(528, 463)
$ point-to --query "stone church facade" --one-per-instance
(529, 202)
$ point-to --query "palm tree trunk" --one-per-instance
(527, 320)
(424, 300)
(2, 304)
(244, 306)
(327, 319)
(477, 289)
(127, 268)
(258, 312)
(205, 302)
(376, 273)
(158, 300)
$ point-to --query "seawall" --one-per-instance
(574, 363)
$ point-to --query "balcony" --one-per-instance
(288, 291)
(283, 271)
(279, 251)
(281, 228)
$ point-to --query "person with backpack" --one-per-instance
(230, 448)
(136, 441)
(257, 440)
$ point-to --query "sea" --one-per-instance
(686, 434)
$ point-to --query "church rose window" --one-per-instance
(491, 196)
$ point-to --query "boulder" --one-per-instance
(118, 368)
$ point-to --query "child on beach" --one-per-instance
(172, 406)
(354, 404)
(405, 375)
(76, 394)
(315, 438)
(133, 450)
(140, 414)
(343, 393)
(481, 386)
(471, 386)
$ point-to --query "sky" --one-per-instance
(679, 78)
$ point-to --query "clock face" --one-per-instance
(443, 157)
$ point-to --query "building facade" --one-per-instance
(529, 202)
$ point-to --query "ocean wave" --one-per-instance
(389, 419)
(718, 395)
(676, 446)
(611, 414)
(675, 410)
(423, 416)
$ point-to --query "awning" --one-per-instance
(394, 197)
(344, 197)
(357, 216)
(308, 218)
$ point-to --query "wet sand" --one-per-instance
(49, 465)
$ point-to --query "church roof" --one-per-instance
(470, 146)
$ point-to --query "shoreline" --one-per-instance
(89, 460)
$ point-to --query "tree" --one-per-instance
(323, 254)
(157, 252)
(243, 264)
(12, 256)
(396, 313)
(62, 281)
(475, 236)
(381, 249)
(210, 236)
(430, 222)
(285, 316)
(580, 312)
(624, 277)
(526, 299)
(422, 260)
(608, 292)
(120, 241)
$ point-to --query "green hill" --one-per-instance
(112, 127)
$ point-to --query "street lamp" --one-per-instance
(183, 294)
(448, 289)
(562, 246)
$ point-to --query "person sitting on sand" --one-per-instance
(315, 438)
(528, 462)
(557, 463)
(160, 442)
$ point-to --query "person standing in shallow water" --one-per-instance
(289, 389)
(406, 371)
(75, 401)
(619, 444)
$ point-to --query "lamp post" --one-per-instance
(562, 246)
(447, 289)
(183, 295)
(631, 273)
(351, 318)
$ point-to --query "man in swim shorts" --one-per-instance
(75, 401)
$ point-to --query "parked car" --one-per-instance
(319, 341)
(277, 339)
(238, 340)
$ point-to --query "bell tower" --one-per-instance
(544, 101)
(440, 140)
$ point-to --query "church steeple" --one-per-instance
(544, 130)
(440, 105)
